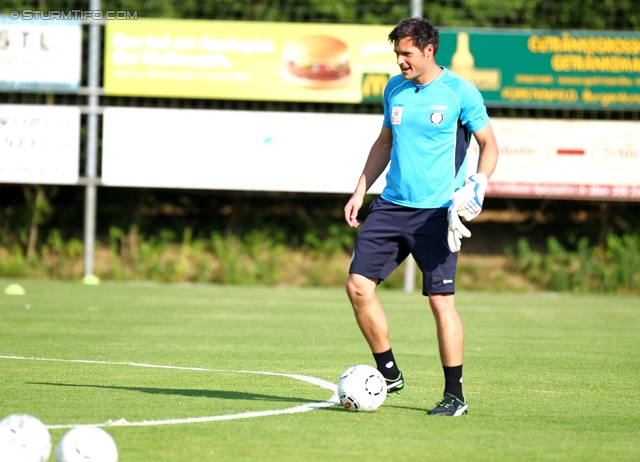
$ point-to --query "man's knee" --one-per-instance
(360, 287)
(441, 303)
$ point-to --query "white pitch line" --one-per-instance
(244, 415)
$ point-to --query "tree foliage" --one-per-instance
(619, 15)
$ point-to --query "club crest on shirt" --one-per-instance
(396, 115)
(436, 117)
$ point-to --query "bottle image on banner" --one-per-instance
(462, 57)
(463, 64)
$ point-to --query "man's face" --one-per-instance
(413, 62)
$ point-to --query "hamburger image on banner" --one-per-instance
(316, 61)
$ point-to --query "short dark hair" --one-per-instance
(420, 30)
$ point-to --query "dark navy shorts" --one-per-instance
(391, 232)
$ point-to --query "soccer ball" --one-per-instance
(86, 443)
(23, 438)
(362, 388)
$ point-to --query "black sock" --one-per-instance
(453, 381)
(386, 364)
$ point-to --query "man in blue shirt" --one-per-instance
(429, 115)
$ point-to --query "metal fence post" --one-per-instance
(91, 167)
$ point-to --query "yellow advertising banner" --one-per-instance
(247, 60)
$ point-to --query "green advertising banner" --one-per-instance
(351, 63)
(547, 68)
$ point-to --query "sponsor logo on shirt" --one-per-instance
(396, 115)
(436, 117)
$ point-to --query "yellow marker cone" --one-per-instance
(91, 280)
(14, 289)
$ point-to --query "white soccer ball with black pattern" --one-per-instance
(362, 388)
(86, 443)
(24, 438)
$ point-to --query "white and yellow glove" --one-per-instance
(471, 196)
(456, 229)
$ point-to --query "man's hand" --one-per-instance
(471, 196)
(456, 229)
(351, 210)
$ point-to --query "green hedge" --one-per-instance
(613, 268)
(257, 258)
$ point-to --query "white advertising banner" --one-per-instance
(310, 152)
(565, 159)
(39, 144)
(40, 55)
(236, 150)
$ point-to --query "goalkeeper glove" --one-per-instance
(456, 229)
(471, 196)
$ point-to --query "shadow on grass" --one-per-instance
(339, 408)
(215, 394)
(409, 408)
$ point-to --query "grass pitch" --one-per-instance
(548, 377)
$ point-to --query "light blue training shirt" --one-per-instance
(431, 126)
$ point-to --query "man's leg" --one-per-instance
(449, 326)
(369, 312)
(373, 324)
(450, 343)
